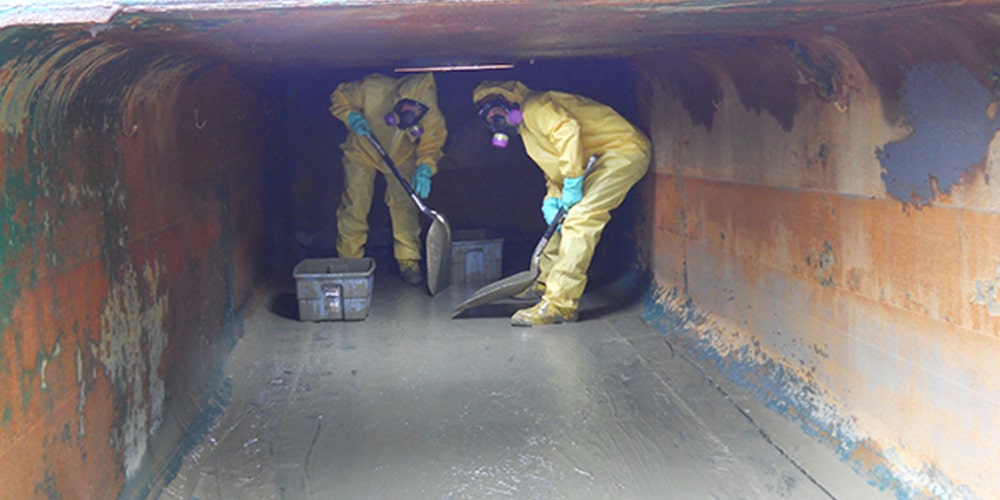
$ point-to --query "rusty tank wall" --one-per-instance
(825, 230)
(131, 239)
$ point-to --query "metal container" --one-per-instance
(476, 256)
(334, 289)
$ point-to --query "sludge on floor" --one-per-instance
(411, 403)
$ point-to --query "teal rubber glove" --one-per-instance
(422, 180)
(358, 124)
(550, 207)
(572, 191)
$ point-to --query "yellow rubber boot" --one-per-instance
(534, 293)
(409, 271)
(543, 313)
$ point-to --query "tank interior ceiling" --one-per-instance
(299, 34)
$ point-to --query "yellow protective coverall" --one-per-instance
(560, 132)
(374, 96)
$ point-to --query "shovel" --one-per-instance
(515, 283)
(438, 242)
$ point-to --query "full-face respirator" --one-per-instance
(406, 116)
(503, 124)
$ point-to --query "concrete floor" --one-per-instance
(410, 403)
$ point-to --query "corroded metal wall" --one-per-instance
(130, 238)
(826, 231)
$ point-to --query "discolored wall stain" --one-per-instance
(823, 263)
(946, 107)
(987, 293)
(44, 358)
(133, 338)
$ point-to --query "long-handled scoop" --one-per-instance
(511, 285)
(438, 241)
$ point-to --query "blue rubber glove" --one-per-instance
(572, 191)
(358, 124)
(422, 180)
(550, 207)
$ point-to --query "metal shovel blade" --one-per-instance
(500, 289)
(438, 245)
(511, 285)
(438, 242)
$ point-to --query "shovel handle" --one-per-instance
(560, 215)
(402, 180)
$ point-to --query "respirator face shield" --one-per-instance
(500, 116)
(406, 115)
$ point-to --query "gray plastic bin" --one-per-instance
(476, 256)
(334, 289)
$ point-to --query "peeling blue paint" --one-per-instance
(48, 487)
(946, 106)
(789, 395)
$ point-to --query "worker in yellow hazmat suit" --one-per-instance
(560, 132)
(404, 117)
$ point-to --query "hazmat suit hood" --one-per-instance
(512, 90)
(421, 88)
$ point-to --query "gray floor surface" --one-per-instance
(410, 403)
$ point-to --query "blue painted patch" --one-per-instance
(946, 106)
(783, 392)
